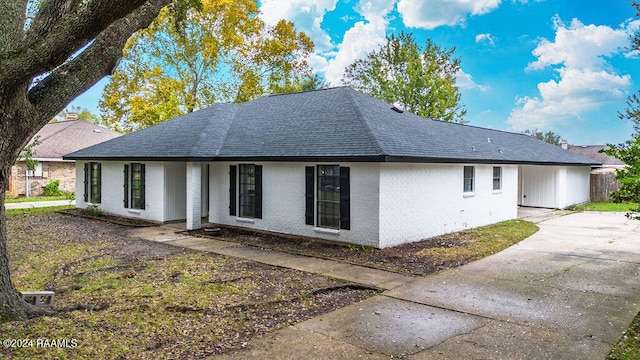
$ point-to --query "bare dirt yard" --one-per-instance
(419, 258)
(121, 298)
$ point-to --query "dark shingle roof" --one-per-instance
(338, 124)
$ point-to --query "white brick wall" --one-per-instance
(194, 195)
(283, 199)
(113, 191)
(418, 201)
(391, 203)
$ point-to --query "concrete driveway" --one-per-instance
(567, 292)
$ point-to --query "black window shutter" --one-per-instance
(309, 175)
(86, 181)
(232, 190)
(258, 192)
(142, 187)
(345, 206)
(126, 186)
(98, 196)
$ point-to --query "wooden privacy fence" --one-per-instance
(602, 184)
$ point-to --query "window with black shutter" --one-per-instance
(232, 190)
(134, 186)
(92, 182)
(249, 191)
(327, 197)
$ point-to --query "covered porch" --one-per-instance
(186, 197)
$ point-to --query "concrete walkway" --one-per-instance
(567, 292)
(39, 204)
(380, 279)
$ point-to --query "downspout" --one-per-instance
(26, 173)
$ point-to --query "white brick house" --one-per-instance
(333, 164)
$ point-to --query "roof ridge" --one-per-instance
(306, 91)
(232, 118)
(206, 125)
(366, 125)
(57, 131)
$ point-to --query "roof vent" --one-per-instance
(397, 109)
(488, 139)
(97, 131)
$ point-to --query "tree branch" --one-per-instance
(49, 43)
(51, 12)
(11, 25)
(71, 79)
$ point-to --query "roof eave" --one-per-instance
(328, 158)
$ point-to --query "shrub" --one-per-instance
(52, 188)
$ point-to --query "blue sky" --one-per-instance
(554, 65)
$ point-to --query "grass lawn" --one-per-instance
(607, 206)
(482, 242)
(43, 198)
(124, 298)
(629, 346)
(118, 297)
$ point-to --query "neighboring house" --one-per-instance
(604, 161)
(56, 139)
(334, 164)
(603, 180)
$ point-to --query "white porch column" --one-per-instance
(194, 200)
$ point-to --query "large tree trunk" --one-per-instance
(68, 47)
(13, 136)
(12, 307)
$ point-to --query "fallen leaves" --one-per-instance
(128, 298)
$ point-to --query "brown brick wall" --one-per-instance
(63, 171)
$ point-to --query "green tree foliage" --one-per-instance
(421, 81)
(629, 151)
(549, 136)
(222, 53)
(313, 82)
(29, 152)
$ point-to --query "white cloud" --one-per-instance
(465, 81)
(362, 38)
(586, 80)
(580, 46)
(372, 10)
(331, 59)
(429, 14)
(307, 15)
(485, 37)
(358, 41)
(577, 92)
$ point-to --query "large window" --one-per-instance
(497, 178)
(134, 186)
(328, 209)
(245, 191)
(247, 195)
(468, 179)
(327, 197)
(92, 182)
